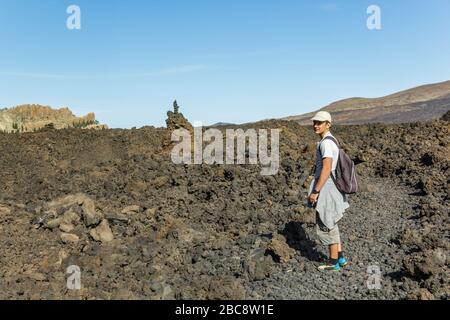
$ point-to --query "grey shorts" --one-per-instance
(327, 236)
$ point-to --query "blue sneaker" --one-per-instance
(342, 262)
(329, 267)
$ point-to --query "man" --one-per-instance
(328, 201)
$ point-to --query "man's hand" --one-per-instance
(313, 198)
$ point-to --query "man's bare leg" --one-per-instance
(334, 249)
(333, 263)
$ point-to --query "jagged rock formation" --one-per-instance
(176, 120)
(30, 118)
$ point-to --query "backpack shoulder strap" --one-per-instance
(329, 138)
(332, 139)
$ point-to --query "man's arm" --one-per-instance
(325, 173)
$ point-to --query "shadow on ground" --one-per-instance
(297, 239)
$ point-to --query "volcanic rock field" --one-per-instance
(139, 226)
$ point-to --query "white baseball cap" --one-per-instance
(322, 116)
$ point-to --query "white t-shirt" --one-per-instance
(328, 149)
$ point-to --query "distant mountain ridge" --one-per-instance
(421, 103)
(221, 124)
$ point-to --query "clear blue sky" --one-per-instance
(223, 60)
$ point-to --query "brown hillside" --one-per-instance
(424, 103)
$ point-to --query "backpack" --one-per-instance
(345, 180)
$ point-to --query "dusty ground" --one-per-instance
(138, 226)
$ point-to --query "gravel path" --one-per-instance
(369, 229)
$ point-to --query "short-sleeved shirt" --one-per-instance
(328, 149)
